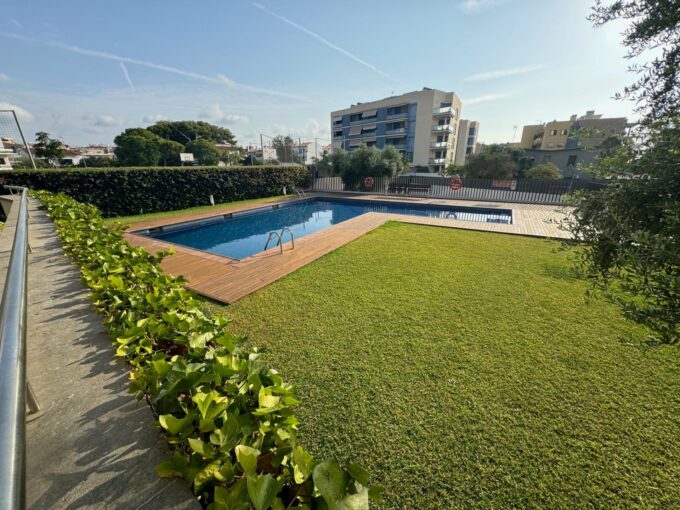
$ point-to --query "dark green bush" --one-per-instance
(125, 191)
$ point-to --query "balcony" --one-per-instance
(437, 161)
(446, 110)
(442, 128)
(401, 115)
(440, 145)
(397, 131)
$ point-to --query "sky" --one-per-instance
(86, 70)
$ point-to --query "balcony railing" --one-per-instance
(445, 110)
(440, 145)
(397, 115)
(437, 161)
(443, 127)
(397, 131)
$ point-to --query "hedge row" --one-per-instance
(127, 191)
(227, 416)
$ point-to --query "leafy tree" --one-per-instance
(204, 151)
(50, 149)
(137, 147)
(169, 152)
(490, 165)
(609, 146)
(654, 26)
(545, 172)
(630, 230)
(284, 148)
(185, 131)
(366, 162)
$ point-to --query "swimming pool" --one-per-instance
(239, 235)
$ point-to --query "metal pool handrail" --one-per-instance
(13, 369)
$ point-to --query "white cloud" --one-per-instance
(152, 119)
(473, 6)
(3, 77)
(502, 73)
(101, 120)
(323, 41)
(16, 24)
(483, 99)
(214, 113)
(22, 113)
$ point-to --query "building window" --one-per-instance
(560, 145)
(471, 140)
(564, 132)
(337, 133)
(355, 117)
(571, 161)
(553, 132)
(471, 132)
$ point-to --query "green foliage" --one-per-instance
(137, 147)
(49, 149)
(127, 191)
(654, 27)
(544, 171)
(227, 416)
(365, 161)
(96, 162)
(204, 151)
(489, 165)
(467, 371)
(284, 149)
(185, 131)
(630, 230)
(169, 152)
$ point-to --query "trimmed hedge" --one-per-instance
(227, 416)
(127, 191)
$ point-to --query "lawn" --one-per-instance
(167, 214)
(466, 370)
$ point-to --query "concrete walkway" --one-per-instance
(95, 446)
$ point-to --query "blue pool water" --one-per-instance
(243, 234)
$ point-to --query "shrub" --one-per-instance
(126, 191)
(227, 416)
(544, 171)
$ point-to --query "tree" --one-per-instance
(204, 151)
(169, 152)
(490, 165)
(96, 162)
(366, 162)
(545, 172)
(50, 149)
(654, 26)
(185, 131)
(629, 231)
(284, 148)
(137, 147)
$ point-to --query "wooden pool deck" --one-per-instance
(227, 280)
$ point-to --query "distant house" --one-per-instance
(308, 152)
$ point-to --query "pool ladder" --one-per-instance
(300, 193)
(279, 237)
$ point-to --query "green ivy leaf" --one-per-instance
(358, 473)
(331, 481)
(303, 464)
(262, 490)
(247, 457)
(175, 425)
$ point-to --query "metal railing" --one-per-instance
(529, 191)
(13, 385)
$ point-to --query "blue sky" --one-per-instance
(85, 70)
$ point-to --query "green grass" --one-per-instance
(166, 214)
(466, 370)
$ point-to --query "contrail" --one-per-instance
(219, 79)
(323, 40)
(127, 76)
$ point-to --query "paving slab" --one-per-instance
(95, 446)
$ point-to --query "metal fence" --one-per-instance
(13, 385)
(529, 191)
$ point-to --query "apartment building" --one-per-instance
(467, 140)
(589, 130)
(308, 152)
(422, 125)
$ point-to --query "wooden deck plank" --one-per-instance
(228, 280)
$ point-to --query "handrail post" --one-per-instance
(13, 369)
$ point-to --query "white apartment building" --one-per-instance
(467, 140)
(308, 152)
(423, 125)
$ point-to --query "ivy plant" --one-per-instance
(228, 418)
